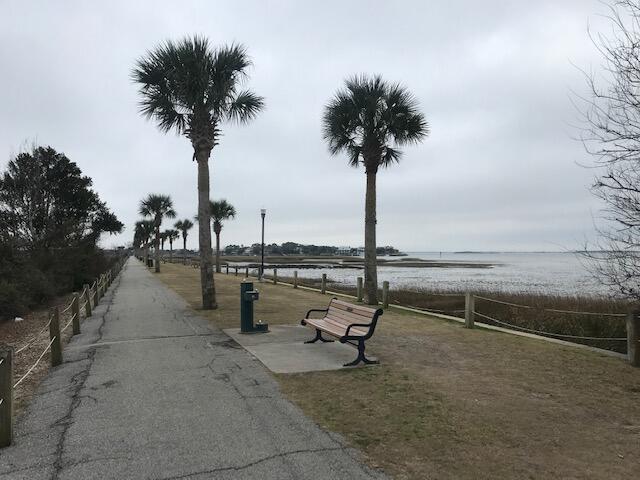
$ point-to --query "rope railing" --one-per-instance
(54, 345)
(554, 310)
(35, 364)
(73, 317)
(550, 334)
(34, 338)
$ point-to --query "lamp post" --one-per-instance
(263, 212)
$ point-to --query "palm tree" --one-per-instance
(163, 238)
(220, 210)
(368, 120)
(192, 88)
(171, 235)
(184, 226)
(157, 207)
(143, 232)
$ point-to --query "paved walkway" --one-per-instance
(149, 390)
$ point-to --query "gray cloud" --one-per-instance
(499, 170)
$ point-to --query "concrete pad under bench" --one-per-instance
(282, 349)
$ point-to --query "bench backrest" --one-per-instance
(345, 314)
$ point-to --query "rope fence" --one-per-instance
(91, 296)
(632, 320)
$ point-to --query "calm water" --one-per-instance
(559, 273)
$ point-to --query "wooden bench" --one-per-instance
(348, 323)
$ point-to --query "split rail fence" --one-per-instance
(84, 301)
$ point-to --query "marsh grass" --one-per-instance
(538, 317)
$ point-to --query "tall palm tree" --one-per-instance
(368, 120)
(184, 226)
(192, 88)
(157, 207)
(142, 236)
(221, 210)
(171, 235)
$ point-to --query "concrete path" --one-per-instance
(149, 390)
(282, 350)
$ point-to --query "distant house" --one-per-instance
(344, 251)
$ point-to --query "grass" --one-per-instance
(451, 403)
(452, 302)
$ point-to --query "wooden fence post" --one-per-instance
(295, 279)
(359, 289)
(6, 395)
(633, 339)
(246, 272)
(385, 294)
(87, 298)
(75, 311)
(236, 271)
(469, 307)
(323, 284)
(96, 298)
(227, 265)
(54, 334)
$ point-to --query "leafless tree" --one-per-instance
(611, 134)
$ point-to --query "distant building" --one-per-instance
(344, 251)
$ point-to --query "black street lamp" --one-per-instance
(263, 212)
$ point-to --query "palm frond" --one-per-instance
(369, 118)
(245, 106)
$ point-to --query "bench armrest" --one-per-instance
(321, 310)
(356, 325)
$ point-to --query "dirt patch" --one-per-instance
(451, 403)
(17, 334)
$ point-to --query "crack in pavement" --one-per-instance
(255, 462)
(79, 380)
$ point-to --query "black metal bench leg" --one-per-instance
(319, 337)
(361, 357)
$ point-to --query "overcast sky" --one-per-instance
(498, 172)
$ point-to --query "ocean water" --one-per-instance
(550, 273)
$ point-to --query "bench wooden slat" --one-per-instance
(329, 328)
(356, 309)
(348, 316)
(343, 327)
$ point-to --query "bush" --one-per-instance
(12, 302)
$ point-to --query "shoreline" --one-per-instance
(320, 262)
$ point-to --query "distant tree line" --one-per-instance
(50, 224)
(292, 248)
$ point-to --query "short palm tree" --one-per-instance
(192, 88)
(171, 235)
(157, 207)
(368, 120)
(221, 210)
(184, 226)
(163, 238)
(142, 236)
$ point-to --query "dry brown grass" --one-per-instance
(452, 302)
(18, 334)
(450, 403)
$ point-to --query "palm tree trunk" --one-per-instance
(157, 246)
(370, 259)
(184, 249)
(171, 251)
(218, 269)
(204, 232)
